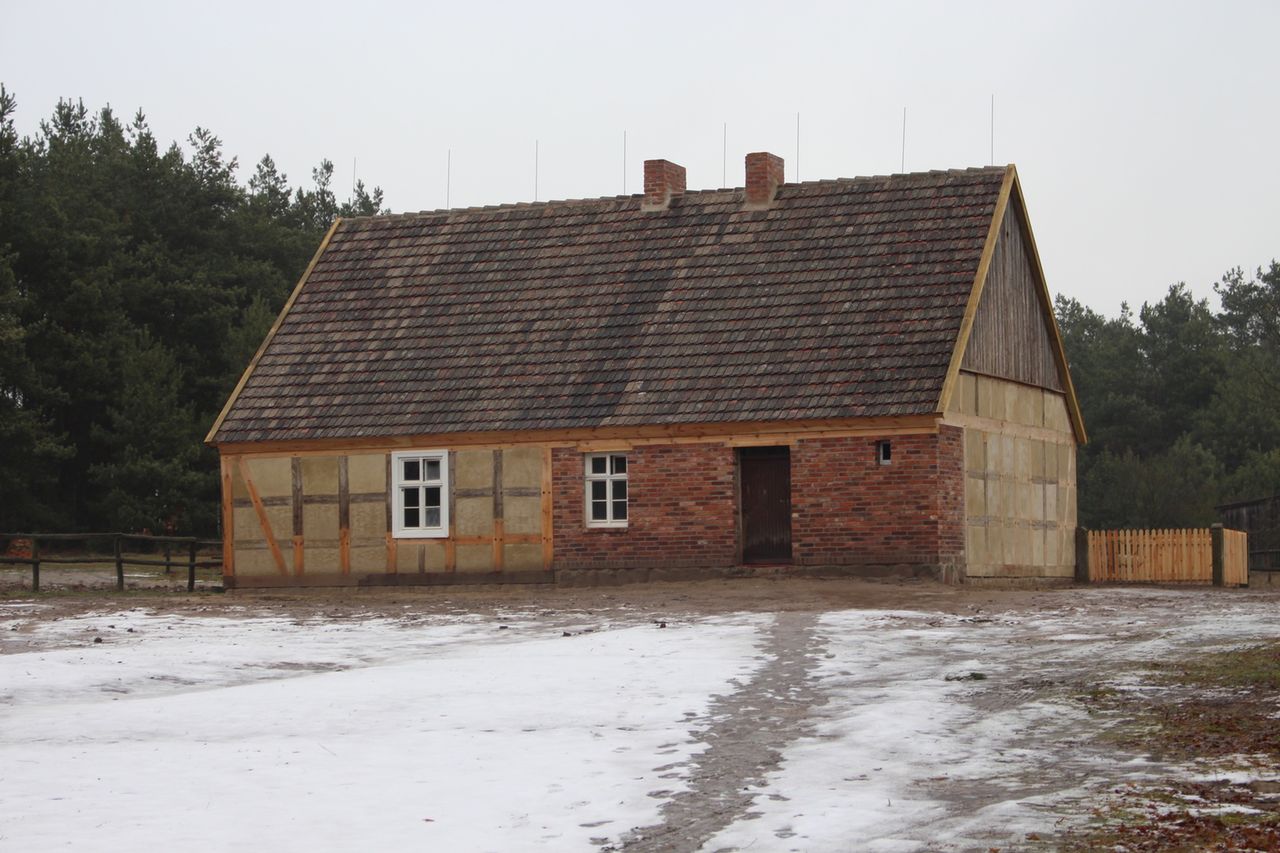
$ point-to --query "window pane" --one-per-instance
(619, 490)
(599, 490)
(599, 511)
(411, 496)
(619, 464)
(433, 470)
(412, 470)
(410, 516)
(433, 517)
(619, 510)
(433, 497)
(599, 465)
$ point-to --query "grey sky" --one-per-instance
(1145, 133)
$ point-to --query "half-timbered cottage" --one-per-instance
(857, 374)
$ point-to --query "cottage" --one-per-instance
(862, 374)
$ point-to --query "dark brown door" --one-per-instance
(766, 504)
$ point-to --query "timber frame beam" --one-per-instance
(600, 438)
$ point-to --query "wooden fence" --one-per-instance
(1235, 557)
(187, 557)
(1206, 555)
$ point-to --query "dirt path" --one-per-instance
(748, 732)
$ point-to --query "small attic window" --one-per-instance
(884, 452)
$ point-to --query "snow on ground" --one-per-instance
(241, 731)
(261, 733)
(911, 754)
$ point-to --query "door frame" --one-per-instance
(741, 537)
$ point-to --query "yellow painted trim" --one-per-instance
(275, 327)
(975, 291)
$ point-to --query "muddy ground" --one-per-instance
(75, 593)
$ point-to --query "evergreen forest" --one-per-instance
(137, 280)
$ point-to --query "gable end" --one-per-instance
(1010, 337)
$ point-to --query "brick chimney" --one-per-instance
(663, 180)
(764, 174)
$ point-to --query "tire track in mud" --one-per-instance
(748, 732)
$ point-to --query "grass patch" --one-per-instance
(1251, 668)
(1179, 816)
(1217, 708)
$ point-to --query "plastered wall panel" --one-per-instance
(255, 562)
(281, 519)
(522, 468)
(521, 557)
(474, 469)
(473, 516)
(238, 489)
(422, 555)
(368, 558)
(368, 519)
(475, 558)
(247, 528)
(319, 475)
(522, 515)
(319, 521)
(367, 473)
(322, 559)
(433, 553)
(273, 477)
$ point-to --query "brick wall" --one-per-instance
(848, 509)
(682, 510)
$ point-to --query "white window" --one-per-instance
(606, 490)
(420, 496)
(884, 452)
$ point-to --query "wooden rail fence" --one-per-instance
(1205, 555)
(189, 544)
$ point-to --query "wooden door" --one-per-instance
(766, 504)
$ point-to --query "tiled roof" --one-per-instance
(843, 299)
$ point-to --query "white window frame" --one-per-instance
(397, 484)
(609, 478)
(884, 452)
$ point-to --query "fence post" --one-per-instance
(119, 563)
(35, 564)
(168, 557)
(1082, 555)
(191, 567)
(1219, 555)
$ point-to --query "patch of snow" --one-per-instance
(252, 734)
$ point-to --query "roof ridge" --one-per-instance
(522, 205)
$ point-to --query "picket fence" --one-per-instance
(1166, 556)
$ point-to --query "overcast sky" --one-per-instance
(1145, 134)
